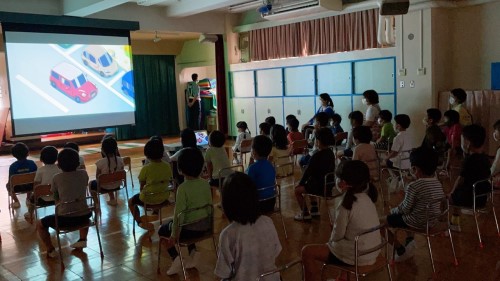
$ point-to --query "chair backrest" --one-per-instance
(208, 208)
(329, 185)
(374, 168)
(127, 163)
(482, 189)
(298, 146)
(340, 137)
(246, 145)
(116, 177)
(163, 193)
(89, 208)
(442, 216)
(284, 166)
(224, 172)
(273, 187)
(20, 179)
(283, 268)
(383, 243)
(41, 190)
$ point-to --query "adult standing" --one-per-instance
(194, 103)
(370, 98)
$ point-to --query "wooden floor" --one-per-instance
(23, 258)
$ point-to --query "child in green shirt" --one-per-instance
(387, 132)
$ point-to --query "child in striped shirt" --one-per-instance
(412, 211)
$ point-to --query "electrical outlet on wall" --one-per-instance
(412, 84)
(401, 84)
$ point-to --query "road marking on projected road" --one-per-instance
(117, 76)
(42, 93)
(83, 68)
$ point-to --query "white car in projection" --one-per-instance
(97, 58)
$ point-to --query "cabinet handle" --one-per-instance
(269, 111)
(298, 112)
(242, 111)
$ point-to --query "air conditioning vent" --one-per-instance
(286, 9)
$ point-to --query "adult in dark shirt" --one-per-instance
(312, 181)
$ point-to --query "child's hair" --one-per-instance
(278, 137)
(426, 159)
(337, 118)
(496, 126)
(326, 97)
(262, 145)
(453, 117)
(194, 76)
(68, 160)
(270, 120)
(434, 114)
(290, 117)
(48, 155)
(362, 133)
(322, 118)
(240, 199)
(108, 136)
(73, 145)
(20, 151)
(385, 115)
(459, 94)
(371, 96)
(154, 149)
(109, 148)
(190, 162)
(474, 133)
(265, 128)
(242, 125)
(157, 137)
(216, 138)
(356, 174)
(403, 120)
(188, 138)
(357, 116)
(294, 123)
(325, 136)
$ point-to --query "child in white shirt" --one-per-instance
(243, 134)
(399, 155)
(216, 157)
(356, 213)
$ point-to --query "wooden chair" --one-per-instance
(298, 147)
(277, 206)
(328, 193)
(224, 172)
(91, 208)
(285, 167)
(339, 139)
(127, 163)
(282, 269)
(436, 224)
(245, 148)
(106, 179)
(401, 173)
(42, 191)
(154, 207)
(362, 271)
(17, 180)
(487, 193)
(180, 242)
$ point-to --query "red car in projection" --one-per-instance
(70, 80)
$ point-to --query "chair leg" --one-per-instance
(389, 272)
(159, 256)
(99, 240)
(215, 246)
(182, 262)
(430, 253)
(478, 231)
(131, 177)
(283, 223)
(60, 252)
(453, 248)
(496, 221)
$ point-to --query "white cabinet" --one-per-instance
(374, 74)
(343, 106)
(265, 107)
(300, 81)
(243, 110)
(269, 82)
(243, 84)
(334, 78)
(303, 108)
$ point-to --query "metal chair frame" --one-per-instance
(40, 191)
(327, 196)
(282, 269)
(277, 205)
(16, 180)
(118, 176)
(127, 163)
(154, 207)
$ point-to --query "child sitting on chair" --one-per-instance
(165, 158)
(249, 245)
(294, 134)
(397, 157)
(434, 137)
(110, 163)
(74, 145)
(412, 212)
(22, 166)
(44, 175)
(313, 178)
(216, 157)
(356, 120)
(320, 121)
(153, 178)
(387, 132)
(280, 153)
(262, 172)
(364, 151)
(475, 167)
(68, 186)
(243, 134)
(194, 192)
(355, 214)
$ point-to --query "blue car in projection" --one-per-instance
(128, 84)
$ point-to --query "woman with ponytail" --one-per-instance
(355, 214)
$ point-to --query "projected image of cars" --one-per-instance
(128, 84)
(71, 81)
(97, 58)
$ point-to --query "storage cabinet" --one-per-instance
(303, 108)
(243, 110)
(265, 107)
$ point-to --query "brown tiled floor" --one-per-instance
(125, 258)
